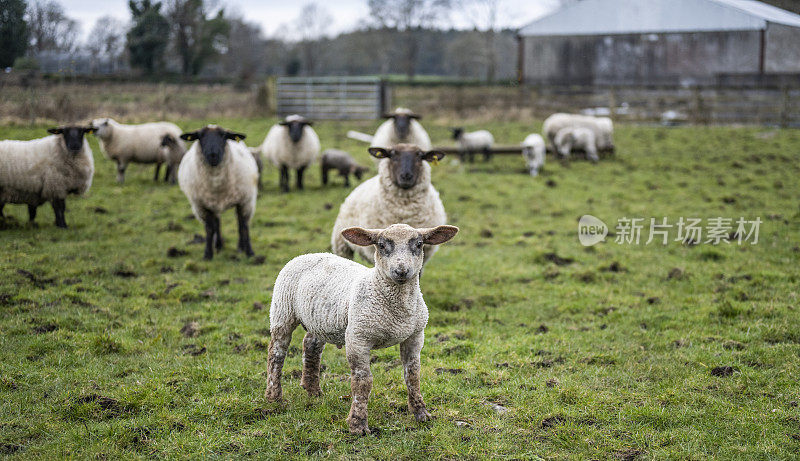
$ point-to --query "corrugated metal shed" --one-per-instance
(606, 17)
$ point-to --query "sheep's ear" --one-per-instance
(379, 152)
(89, 129)
(55, 130)
(308, 123)
(387, 115)
(415, 116)
(235, 136)
(438, 235)
(190, 136)
(283, 123)
(359, 236)
(433, 156)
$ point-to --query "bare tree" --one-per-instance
(245, 54)
(107, 40)
(311, 25)
(485, 16)
(50, 28)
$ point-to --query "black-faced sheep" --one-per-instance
(291, 144)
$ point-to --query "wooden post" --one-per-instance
(762, 53)
(520, 59)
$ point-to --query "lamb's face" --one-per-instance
(405, 162)
(73, 136)
(213, 141)
(101, 127)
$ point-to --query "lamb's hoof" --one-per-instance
(422, 416)
(359, 429)
(313, 392)
(273, 395)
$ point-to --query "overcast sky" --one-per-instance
(272, 14)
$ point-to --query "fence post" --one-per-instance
(612, 102)
(786, 107)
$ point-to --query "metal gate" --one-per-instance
(331, 98)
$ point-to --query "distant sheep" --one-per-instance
(145, 143)
(602, 128)
(341, 161)
(569, 139)
(46, 170)
(534, 150)
(218, 173)
(476, 141)
(344, 303)
(402, 127)
(291, 144)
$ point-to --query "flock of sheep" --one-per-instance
(394, 220)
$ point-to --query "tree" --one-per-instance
(13, 31)
(148, 38)
(197, 38)
(50, 28)
(311, 25)
(485, 15)
(106, 41)
(408, 17)
(246, 50)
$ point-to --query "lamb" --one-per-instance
(400, 193)
(293, 144)
(145, 143)
(602, 128)
(569, 139)
(46, 170)
(341, 302)
(476, 141)
(402, 127)
(533, 150)
(341, 161)
(218, 173)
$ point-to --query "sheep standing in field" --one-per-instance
(293, 144)
(344, 303)
(533, 150)
(218, 173)
(401, 127)
(602, 128)
(46, 170)
(157, 143)
(400, 193)
(341, 161)
(569, 139)
(476, 141)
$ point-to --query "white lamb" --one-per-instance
(569, 139)
(476, 141)
(400, 193)
(46, 170)
(145, 143)
(218, 173)
(341, 302)
(533, 150)
(402, 127)
(601, 127)
(293, 144)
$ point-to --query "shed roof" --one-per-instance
(604, 17)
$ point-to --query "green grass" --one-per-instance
(589, 362)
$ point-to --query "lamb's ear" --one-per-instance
(190, 136)
(378, 152)
(235, 136)
(360, 236)
(433, 156)
(55, 130)
(438, 235)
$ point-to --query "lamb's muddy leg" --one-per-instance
(409, 355)
(278, 345)
(312, 358)
(360, 387)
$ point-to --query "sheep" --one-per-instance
(340, 160)
(602, 128)
(476, 141)
(533, 150)
(293, 144)
(401, 192)
(145, 143)
(569, 139)
(218, 173)
(46, 170)
(341, 302)
(402, 127)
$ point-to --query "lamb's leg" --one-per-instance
(487, 154)
(360, 387)
(209, 220)
(346, 175)
(59, 207)
(32, 213)
(280, 337)
(284, 178)
(218, 242)
(121, 166)
(409, 355)
(243, 219)
(158, 170)
(324, 176)
(300, 177)
(312, 357)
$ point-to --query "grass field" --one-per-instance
(536, 347)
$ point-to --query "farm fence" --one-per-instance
(332, 98)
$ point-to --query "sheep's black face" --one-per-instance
(296, 128)
(405, 162)
(402, 126)
(457, 132)
(213, 141)
(73, 136)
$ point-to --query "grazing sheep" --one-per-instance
(601, 127)
(293, 144)
(569, 139)
(476, 141)
(400, 193)
(402, 127)
(46, 170)
(145, 143)
(533, 150)
(341, 161)
(341, 302)
(218, 173)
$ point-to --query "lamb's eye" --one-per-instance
(381, 246)
(419, 244)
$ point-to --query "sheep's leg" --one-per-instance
(409, 355)
(209, 221)
(324, 176)
(121, 166)
(300, 177)
(360, 387)
(312, 358)
(158, 171)
(284, 178)
(244, 231)
(218, 242)
(346, 175)
(487, 154)
(280, 337)
(59, 207)
(2, 215)
(592, 154)
(32, 213)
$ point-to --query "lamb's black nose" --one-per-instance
(400, 273)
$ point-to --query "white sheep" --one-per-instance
(401, 192)
(476, 141)
(572, 138)
(218, 173)
(46, 170)
(145, 143)
(533, 150)
(291, 144)
(602, 128)
(341, 302)
(402, 127)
